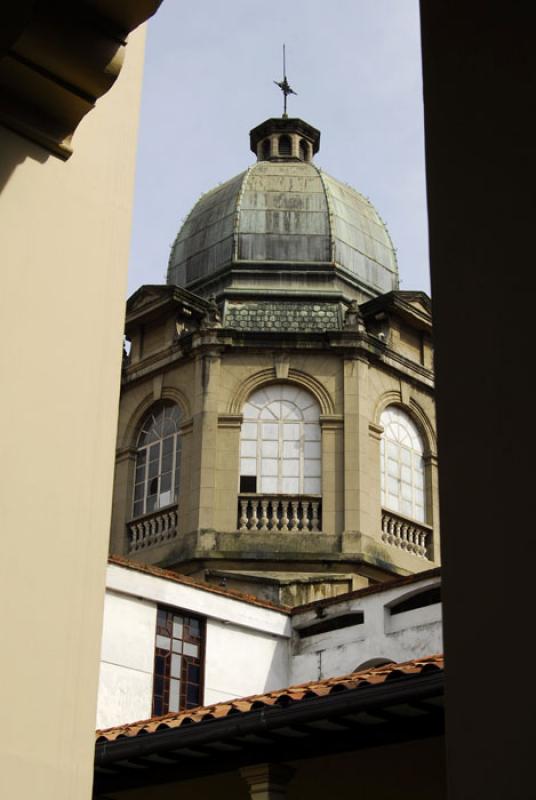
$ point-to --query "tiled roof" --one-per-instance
(281, 697)
(169, 575)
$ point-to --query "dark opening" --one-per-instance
(303, 150)
(285, 146)
(427, 598)
(333, 624)
(248, 484)
(266, 149)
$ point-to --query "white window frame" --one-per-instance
(282, 405)
(150, 420)
(402, 467)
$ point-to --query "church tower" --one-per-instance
(276, 429)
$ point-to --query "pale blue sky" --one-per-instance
(209, 72)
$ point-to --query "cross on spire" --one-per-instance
(284, 86)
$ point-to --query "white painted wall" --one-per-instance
(397, 638)
(240, 662)
(249, 649)
(246, 649)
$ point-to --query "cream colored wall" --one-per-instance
(65, 230)
(213, 385)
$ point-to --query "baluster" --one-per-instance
(264, 516)
(254, 519)
(284, 516)
(314, 523)
(293, 515)
(243, 521)
(133, 538)
(273, 520)
(384, 528)
(422, 544)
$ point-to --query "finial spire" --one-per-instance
(284, 86)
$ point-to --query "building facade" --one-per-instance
(276, 429)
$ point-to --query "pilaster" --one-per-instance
(356, 445)
(205, 428)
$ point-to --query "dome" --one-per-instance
(284, 212)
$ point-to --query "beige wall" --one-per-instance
(65, 230)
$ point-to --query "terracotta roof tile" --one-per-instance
(292, 694)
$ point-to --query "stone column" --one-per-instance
(267, 781)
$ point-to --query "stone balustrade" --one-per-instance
(279, 513)
(406, 534)
(156, 528)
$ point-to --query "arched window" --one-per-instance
(266, 149)
(303, 150)
(158, 459)
(280, 442)
(402, 465)
(285, 146)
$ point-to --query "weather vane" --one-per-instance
(284, 86)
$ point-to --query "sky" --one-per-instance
(210, 67)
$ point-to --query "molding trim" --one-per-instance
(295, 376)
(143, 407)
(57, 60)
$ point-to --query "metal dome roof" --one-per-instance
(285, 213)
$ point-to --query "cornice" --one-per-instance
(57, 59)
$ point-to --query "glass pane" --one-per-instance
(312, 450)
(290, 485)
(164, 499)
(269, 431)
(249, 431)
(291, 467)
(138, 508)
(270, 449)
(167, 463)
(248, 449)
(167, 445)
(268, 485)
(291, 431)
(311, 468)
(175, 669)
(312, 433)
(393, 467)
(174, 694)
(191, 649)
(141, 458)
(268, 466)
(248, 466)
(311, 485)
(194, 628)
(291, 449)
(192, 696)
(177, 627)
(163, 642)
(165, 482)
(153, 470)
(176, 645)
(154, 452)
